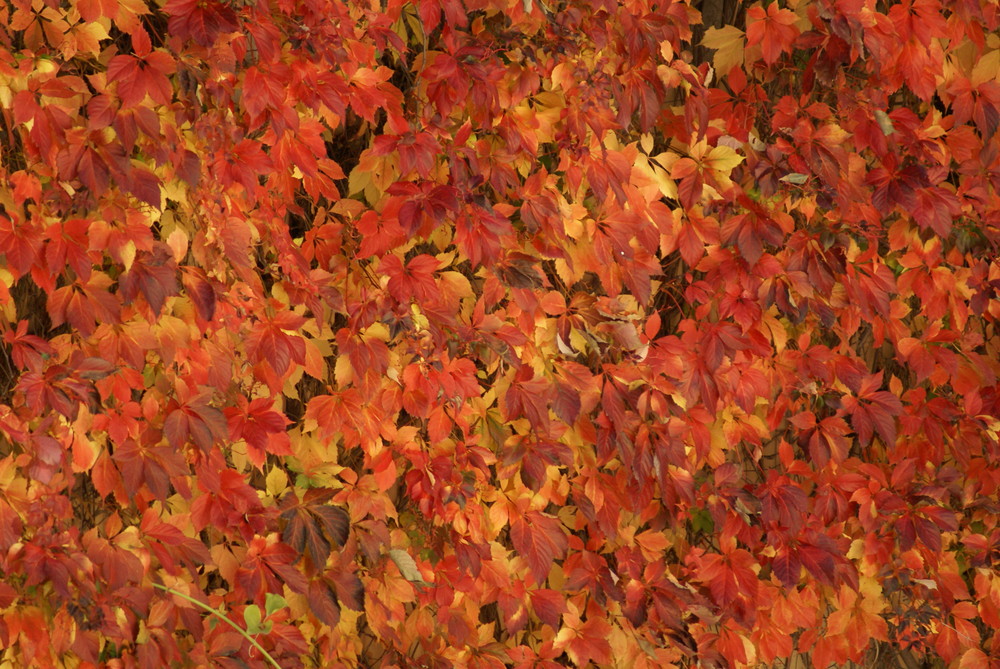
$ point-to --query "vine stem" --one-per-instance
(224, 618)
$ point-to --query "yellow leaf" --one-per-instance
(722, 159)
(857, 550)
(291, 383)
(884, 122)
(8, 307)
(729, 44)
(779, 335)
(871, 589)
(277, 482)
(653, 180)
(646, 142)
(419, 320)
(176, 190)
(178, 243)
(315, 363)
(375, 331)
(84, 39)
(455, 286)
(652, 543)
(667, 159)
(987, 68)
(667, 50)
(128, 254)
(719, 445)
(358, 180)
(344, 372)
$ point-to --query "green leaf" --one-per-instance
(274, 603)
(701, 521)
(251, 616)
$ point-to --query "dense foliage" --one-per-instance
(486, 333)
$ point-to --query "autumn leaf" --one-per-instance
(194, 420)
(773, 29)
(407, 566)
(312, 527)
(540, 539)
(728, 42)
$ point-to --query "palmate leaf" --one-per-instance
(773, 29)
(729, 44)
(305, 535)
(313, 527)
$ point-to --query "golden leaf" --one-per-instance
(729, 43)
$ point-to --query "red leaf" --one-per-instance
(197, 421)
(127, 71)
(144, 185)
(540, 539)
(548, 605)
(200, 291)
(731, 580)
(527, 398)
(10, 526)
(819, 561)
(312, 524)
(566, 403)
(92, 10)
(154, 274)
(936, 208)
(787, 567)
(874, 409)
(414, 281)
(783, 503)
(20, 243)
(269, 342)
(323, 602)
(774, 30)
(202, 21)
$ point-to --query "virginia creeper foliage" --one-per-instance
(499, 333)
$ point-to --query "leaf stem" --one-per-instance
(224, 618)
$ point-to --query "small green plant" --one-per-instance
(251, 616)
